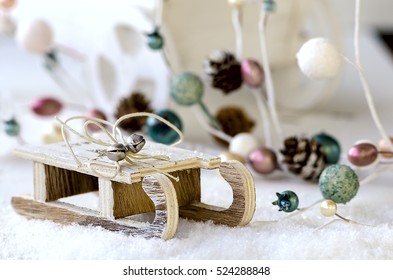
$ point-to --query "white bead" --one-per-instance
(328, 208)
(35, 37)
(235, 3)
(242, 144)
(319, 59)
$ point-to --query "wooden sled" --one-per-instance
(135, 190)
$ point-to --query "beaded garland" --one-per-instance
(187, 89)
(155, 41)
(160, 132)
(252, 73)
(12, 127)
(363, 154)
(330, 147)
(287, 201)
(338, 183)
(44, 107)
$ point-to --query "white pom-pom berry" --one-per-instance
(319, 59)
(242, 144)
(35, 37)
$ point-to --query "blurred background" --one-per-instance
(104, 59)
(375, 12)
(101, 47)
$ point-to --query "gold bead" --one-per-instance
(225, 156)
(235, 3)
(328, 208)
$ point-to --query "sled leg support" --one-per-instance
(157, 187)
(242, 209)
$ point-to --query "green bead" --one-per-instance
(187, 89)
(330, 147)
(11, 127)
(339, 183)
(160, 132)
(269, 6)
(287, 201)
(155, 41)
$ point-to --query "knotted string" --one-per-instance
(116, 137)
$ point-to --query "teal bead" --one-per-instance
(287, 201)
(11, 127)
(330, 147)
(339, 183)
(155, 41)
(187, 89)
(269, 6)
(160, 132)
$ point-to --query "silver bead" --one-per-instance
(135, 143)
(116, 152)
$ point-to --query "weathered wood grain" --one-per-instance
(161, 191)
(59, 155)
(105, 195)
(61, 182)
(243, 206)
(158, 188)
(132, 199)
(39, 181)
(188, 189)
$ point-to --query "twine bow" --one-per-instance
(116, 137)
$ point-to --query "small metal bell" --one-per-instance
(135, 143)
(116, 152)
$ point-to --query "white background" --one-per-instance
(376, 12)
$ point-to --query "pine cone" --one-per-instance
(304, 157)
(135, 102)
(223, 71)
(233, 120)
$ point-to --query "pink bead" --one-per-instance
(252, 73)
(363, 154)
(263, 160)
(46, 106)
(95, 113)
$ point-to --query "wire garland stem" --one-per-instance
(366, 87)
(269, 80)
